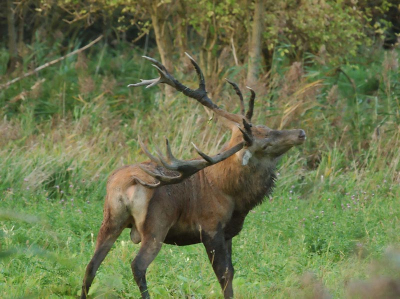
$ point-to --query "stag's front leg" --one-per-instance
(219, 254)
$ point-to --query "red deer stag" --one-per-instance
(205, 200)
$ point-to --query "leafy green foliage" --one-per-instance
(334, 28)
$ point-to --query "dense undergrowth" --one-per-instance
(335, 212)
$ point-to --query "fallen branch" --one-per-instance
(6, 85)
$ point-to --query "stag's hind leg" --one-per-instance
(150, 247)
(110, 230)
(153, 232)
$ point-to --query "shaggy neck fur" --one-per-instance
(247, 185)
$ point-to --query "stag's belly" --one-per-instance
(182, 238)
(185, 235)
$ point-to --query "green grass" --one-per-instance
(335, 212)
(333, 234)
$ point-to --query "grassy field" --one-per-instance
(330, 227)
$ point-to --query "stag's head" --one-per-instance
(249, 142)
(265, 143)
(259, 141)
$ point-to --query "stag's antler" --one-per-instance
(184, 168)
(200, 94)
(249, 113)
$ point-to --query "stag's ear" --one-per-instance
(246, 157)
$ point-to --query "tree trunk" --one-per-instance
(12, 39)
(163, 44)
(254, 65)
(163, 39)
(21, 24)
(181, 27)
(208, 58)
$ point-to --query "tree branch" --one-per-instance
(6, 85)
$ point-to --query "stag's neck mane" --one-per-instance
(247, 185)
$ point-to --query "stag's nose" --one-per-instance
(302, 134)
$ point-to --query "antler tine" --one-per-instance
(249, 114)
(247, 127)
(239, 93)
(165, 77)
(171, 163)
(170, 156)
(246, 137)
(151, 173)
(156, 62)
(226, 154)
(164, 162)
(146, 151)
(203, 155)
(163, 74)
(202, 81)
(163, 179)
(247, 134)
(221, 156)
(141, 182)
(149, 83)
